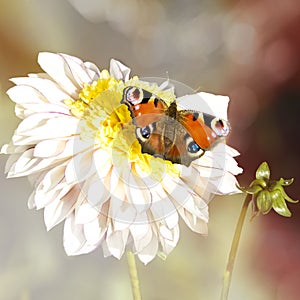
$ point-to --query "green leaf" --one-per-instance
(279, 205)
(263, 171)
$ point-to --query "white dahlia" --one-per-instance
(77, 144)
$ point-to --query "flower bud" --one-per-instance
(268, 193)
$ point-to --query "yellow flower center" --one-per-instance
(91, 91)
(109, 124)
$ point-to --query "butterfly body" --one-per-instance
(180, 136)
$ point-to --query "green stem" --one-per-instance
(233, 250)
(133, 276)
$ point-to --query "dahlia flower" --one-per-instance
(77, 144)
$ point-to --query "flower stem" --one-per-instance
(233, 250)
(133, 276)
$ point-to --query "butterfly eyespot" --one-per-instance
(220, 127)
(193, 147)
(133, 95)
(144, 133)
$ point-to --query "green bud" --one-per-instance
(268, 194)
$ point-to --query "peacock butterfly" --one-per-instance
(179, 136)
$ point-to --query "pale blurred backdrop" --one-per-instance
(247, 50)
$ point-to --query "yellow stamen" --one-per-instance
(109, 124)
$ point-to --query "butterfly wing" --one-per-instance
(145, 108)
(205, 129)
(178, 136)
(183, 149)
(148, 114)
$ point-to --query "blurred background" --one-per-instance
(248, 50)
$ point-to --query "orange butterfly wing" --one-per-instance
(145, 107)
(202, 134)
(147, 113)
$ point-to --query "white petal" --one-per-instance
(105, 249)
(177, 190)
(215, 171)
(24, 163)
(18, 166)
(30, 202)
(211, 104)
(60, 208)
(118, 70)
(165, 232)
(39, 75)
(26, 94)
(116, 242)
(48, 125)
(78, 70)
(11, 148)
(231, 151)
(92, 70)
(150, 251)
(49, 148)
(136, 191)
(97, 192)
(59, 69)
(142, 235)
(197, 207)
(25, 110)
(80, 167)
(43, 199)
(115, 180)
(162, 206)
(78, 145)
(50, 186)
(121, 212)
(191, 175)
(73, 236)
(185, 197)
(226, 185)
(215, 164)
(102, 162)
(74, 239)
(95, 230)
(172, 220)
(221, 157)
(47, 89)
(232, 166)
(194, 223)
(85, 213)
(169, 242)
(10, 164)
